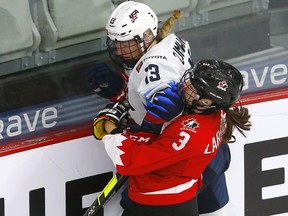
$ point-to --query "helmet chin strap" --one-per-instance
(207, 109)
(128, 65)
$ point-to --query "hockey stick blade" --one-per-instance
(115, 183)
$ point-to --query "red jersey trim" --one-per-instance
(164, 199)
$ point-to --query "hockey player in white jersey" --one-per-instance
(154, 61)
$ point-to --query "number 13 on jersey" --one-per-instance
(152, 73)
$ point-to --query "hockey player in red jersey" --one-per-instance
(166, 174)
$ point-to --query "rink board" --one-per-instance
(62, 173)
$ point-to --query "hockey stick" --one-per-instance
(116, 182)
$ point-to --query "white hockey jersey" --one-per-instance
(164, 62)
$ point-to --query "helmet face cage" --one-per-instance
(187, 90)
(125, 53)
(218, 81)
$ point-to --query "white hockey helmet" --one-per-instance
(130, 20)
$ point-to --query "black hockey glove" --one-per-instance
(107, 81)
(112, 112)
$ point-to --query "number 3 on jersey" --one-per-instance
(152, 73)
(181, 142)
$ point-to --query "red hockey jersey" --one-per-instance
(167, 171)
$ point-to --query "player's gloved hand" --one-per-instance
(112, 112)
(162, 105)
(107, 81)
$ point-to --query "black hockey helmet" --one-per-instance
(215, 80)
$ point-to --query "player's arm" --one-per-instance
(162, 105)
(109, 119)
(107, 81)
(132, 158)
